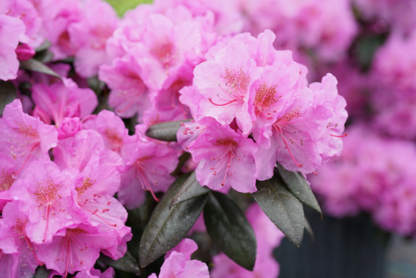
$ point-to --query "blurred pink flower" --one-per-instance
(178, 263)
(57, 101)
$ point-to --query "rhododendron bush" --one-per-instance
(176, 140)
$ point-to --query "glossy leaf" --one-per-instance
(7, 94)
(34, 65)
(230, 230)
(189, 190)
(127, 263)
(167, 227)
(41, 272)
(299, 187)
(165, 131)
(283, 209)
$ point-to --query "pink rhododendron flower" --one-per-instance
(74, 249)
(225, 158)
(95, 186)
(111, 128)
(326, 27)
(24, 137)
(394, 88)
(57, 101)
(90, 34)
(45, 196)
(227, 19)
(398, 14)
(25, 11)
(10, 32)
(95, 273)
(129, 94)
(265, 94)
(166, 105)
(148, 168)
(13, 228)
(382, 185)
(224, 84)
(178, 263)
(163, 42)
(57, 16)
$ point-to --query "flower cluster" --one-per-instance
(73, 160)
(58, 213)
(74, 28)
(252, 108)
(370, 176)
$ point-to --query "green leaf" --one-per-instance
(299, 187)
(127, 263)
(308, 228)
(189, 190)
(165, 131)
(7, 94)
(229, 229)
(41, 272)
(34, 65)
(283, 209)
(167, 227)
(45, 56)
(45, 45)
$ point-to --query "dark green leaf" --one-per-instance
(37, 66)
(283, 209)
(308, 228)
(45, 45)
(41, 272)
(189, 190)
(45, 56)
(182, 160)
(95, 84)
(165, 131)
(7, 94)
(229, 229)
(299, 187)
(167, 227)
(127, 263)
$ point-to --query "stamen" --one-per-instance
(340, 136)
(294, 160)
(224, 104)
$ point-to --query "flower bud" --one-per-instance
(69, 127)
(24, 52)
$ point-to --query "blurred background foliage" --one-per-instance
(122, 6)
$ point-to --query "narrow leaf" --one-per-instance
(37, 66)
(167, 227)
(41, 272)
(300, 188)
(7, 94)
(127, 263)
(44, 46)
(308, 228)
(230, 230)
(165, 131)
(283, 209)
(189, 190)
